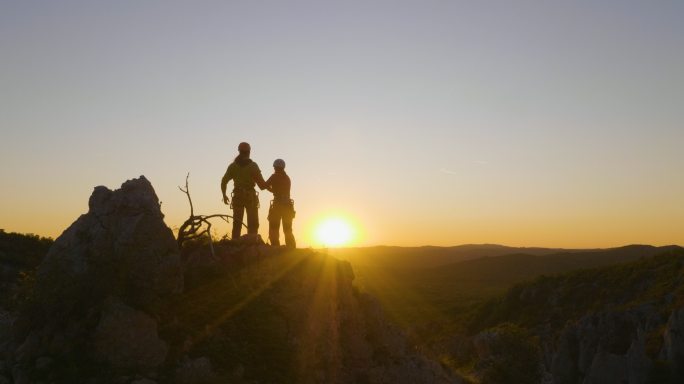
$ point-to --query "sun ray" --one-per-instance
(323, 305)
(278, 271)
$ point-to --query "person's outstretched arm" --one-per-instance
(260, 181)
(258, 178)
(269, 184)
(224, 184)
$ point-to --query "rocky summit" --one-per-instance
(115, 301)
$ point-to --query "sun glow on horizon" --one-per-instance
(334, 232)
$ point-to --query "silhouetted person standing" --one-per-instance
(245, 174)
(282, 207)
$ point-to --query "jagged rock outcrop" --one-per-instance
(605, 347)
(127, 338)
(673, 349)
(96, 291)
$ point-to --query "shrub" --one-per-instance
(509, 355)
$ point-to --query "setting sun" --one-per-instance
(334, 232)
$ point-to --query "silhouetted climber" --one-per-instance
(282, 207)
(245, 174)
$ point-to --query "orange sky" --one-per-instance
(426, 122)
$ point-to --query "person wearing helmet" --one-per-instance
(282, 207)
(245, 173)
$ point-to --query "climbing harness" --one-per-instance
(244, 197)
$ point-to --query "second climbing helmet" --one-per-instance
(279, 163)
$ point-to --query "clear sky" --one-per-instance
(540, 123)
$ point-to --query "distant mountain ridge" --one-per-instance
(521, 266)
(430, 256)
(433, 256)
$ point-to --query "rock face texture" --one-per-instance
(673, 350)
(121, 247)
(127, 338)
(97, 289)
(605, 347)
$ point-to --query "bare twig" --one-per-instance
(187, 193)
(197, 226)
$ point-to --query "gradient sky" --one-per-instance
(539, 123)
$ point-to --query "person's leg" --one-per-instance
(252, 219)
(274, 225)
(287, 228)
(238, 214)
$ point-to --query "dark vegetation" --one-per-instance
(22, 251)
(20, 254)
(512, 356)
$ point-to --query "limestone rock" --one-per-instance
(99, 283)
(143, 381)
(604, 347)
(196, 371)
(6, 321)
(127, 338)
(120, 247)
(673, 349)
(43, 363)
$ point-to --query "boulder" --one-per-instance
(143, 381)
(195, 371)
(44, 363)
(121, 247)
(6, 320)
(126, 338)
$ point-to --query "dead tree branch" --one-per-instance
(197, 226)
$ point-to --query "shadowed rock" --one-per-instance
(127, 338)
(121, 247)
(98, 288)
